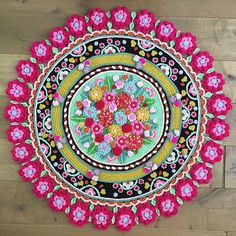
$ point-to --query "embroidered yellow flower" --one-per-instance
(95, 94)
(115, 130)
(143, 114)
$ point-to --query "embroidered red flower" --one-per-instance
(97, 19)
(134, 142)
(213, 82)
(125, 219)
(41, 51)
(79, 213)
(201, 62)
(122, 100)
(201, 173)
(219, 104)
(165, 31)
(76, 25)
(144, 21)
(59, 37)
(17, 134)
(30, 171)
(59, 200)
(146, 213)
(185, 43)
(18, 91)
(15, 112)
(186, 190)
(101, 217)
(120, 18)
(43, 186)
(22, 152)
(106, 118)
(211, 152)
(218, 129)
(27, 70)
(167, 205)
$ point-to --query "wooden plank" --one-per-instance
(215, 35)
(48, 230)
(232, 233)
(230, 167)
(193, 8)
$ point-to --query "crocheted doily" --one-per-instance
(117, 118)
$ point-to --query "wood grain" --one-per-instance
(213, 213)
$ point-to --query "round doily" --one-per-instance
(117, 118)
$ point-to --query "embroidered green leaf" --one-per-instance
(221, 117)
(31, 86)
(28, 141)
(196, 50)
(200, 75)
(147, 141)
(133, 14)
(108, 14)
(172, 43)
(43, 173)
(33, 59)
(34, 180)
(209, 165)
(196, 183)
(210, 70)
(153, 33)
(178, 33)
(113, 220)
(208, 95)
(157, 22)
(189, 59)
(55, 50)
(188, 176)
(149, 101)
(153, 202)
(158, 212)
(67, 210)
(86, 18)
(78, 118)
(219, 92)
(66, 29)
(136, 220)
(41, 66)
(72, 38)
(25, 104)
(92, 148)
(73, 200)
(109, 25)
(172, 191)
(115, 209)
(199, 159)
(47, 42)
(89, 28)
(49, 195)
(90, 219)
(20, 79)
(218, 142)
(210, 115)
(91, 207)
(56, 187)
(131, 26)
(134, 209)
(25, 124)
(34, 158)
(108, 82)
(179, 200)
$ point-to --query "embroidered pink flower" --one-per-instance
(144, 21)
(125, 219)
(41, 51)
(30, 171)
(17, 134)
(96, 128)
(146, 213)
(27, 70)
(217, 129)
(213, 82)
(186, 190)
(76, 25)
(219, 104)
(185, 43)
(60, 200)
(134, 105)
(165, 31)
(121, 141)
(79, 213)
(59, 37)
(16, 112)
(167, 205)
(120, 18)
(109, 97)
(22, 152)
(137, 127)
(201, 173)
(18, 91)
(201, 62)
(211, 152)
(101, 217)
(43, 186)
(97, 19)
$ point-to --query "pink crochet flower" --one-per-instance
(30, 171)
(41, 51)
(59, 37)
(144, 21)
(18, 91)
(167, 205)
(15, 112)
(59, 200)
(101, 217)
(219, 104)
(213, 82)
(146, 213)
(120, 17)
(217, 129)
(97, 19)
(185, 43)
(201, 173)
(125, 219)
(27, 70)
(165, 31)
(79, 213)
(201, 62)
(43, 186)
(76, 25)
(186, 190)
(22, 152)
(17, 134)
(211, 152)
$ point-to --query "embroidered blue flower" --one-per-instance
(120, 118)
(104, 148)
(130, 87)
(90, 112)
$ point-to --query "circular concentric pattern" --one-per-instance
(117, 118)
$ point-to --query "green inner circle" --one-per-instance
(99, 141)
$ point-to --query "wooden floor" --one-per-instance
(213, 213)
